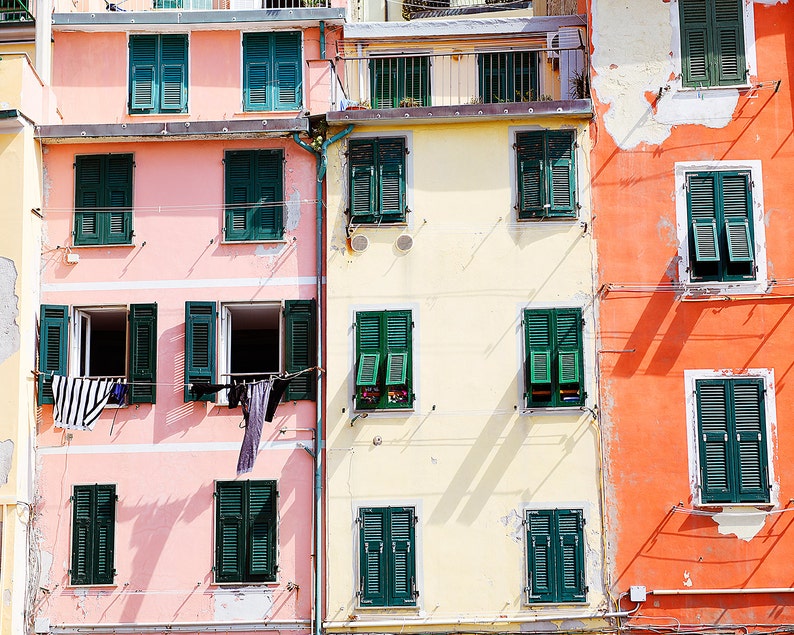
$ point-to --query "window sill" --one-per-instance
(552, 410)
(105, 245)
(715, 289)
(695, 89)
(243, 585)
(402, 224)
(726, 507)
(274, 241)
(529, 606)
(244, 113)
(113, 585)
(370, 611)
(546, 219)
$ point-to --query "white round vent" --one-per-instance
(359, 243)
(404, 242)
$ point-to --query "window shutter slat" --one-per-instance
(368, 364)
(739, 243)
(706, 241)
(540, 367)
(372, 556)
(143, 353)
(53, 347)
(396, 366)
(229, 532)
(200, 324)
(301, 346)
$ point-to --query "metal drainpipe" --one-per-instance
(322, 40)
(319, 441)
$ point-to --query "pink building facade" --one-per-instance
(181, 248)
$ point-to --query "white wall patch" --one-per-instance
(249, 604)
(741, 522)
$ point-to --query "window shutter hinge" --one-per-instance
(358, 520)
(215, 494)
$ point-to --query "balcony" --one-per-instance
(292, 9)
(543, 72)
(15, 11)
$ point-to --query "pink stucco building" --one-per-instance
(180, 248)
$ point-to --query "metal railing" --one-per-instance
(93, 6)
(15, 11)
(459, 78)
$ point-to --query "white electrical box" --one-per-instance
(42, 625)
(637, 593)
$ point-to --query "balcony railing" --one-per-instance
(458, 78)
(94, 6)
(15, 11)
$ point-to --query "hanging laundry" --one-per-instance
(119, 393)
(279, 386)
(79, 401)
(258, 395)
(199, 390)
(238, 395)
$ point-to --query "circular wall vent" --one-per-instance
(359, 243)
(404, 242)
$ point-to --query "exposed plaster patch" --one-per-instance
(81, 595)
(539, 627)
(292, 211)
(514, 524)
(572, 626)
(9, 329)
(45, 562)
(770, 3)
(687, 579)
(741, 522)
(242, 604)
(268, 250)
(6, 454)
(7, 597)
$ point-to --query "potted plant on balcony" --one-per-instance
(410, 102)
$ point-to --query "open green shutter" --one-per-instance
(362, 178)
(229, 531)
(89, 195)
(301, 328)
(402, 557)
(538, 343)
(104, 534)
(200, 319)
(751, 453)
(570, 556)
(399, 354)
(369, 341)
(368, 364)
(531, 190)
(287, 63)
(268, 188)
(239, 183)
(391, 177)
(257, 70)
(53, 347)
(713, 439)
(82, 534)
(702, 206)
(540, 567)
(143, 72)
(261, 561)
(695, 43)
(143, 353)
(560, 175)
(728, 43)
(173, 73)
(704, 233)
(373, 557)
(396, 368)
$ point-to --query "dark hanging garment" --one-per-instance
(276, 392)
(199, 389)
(258, 396)
(238, 396)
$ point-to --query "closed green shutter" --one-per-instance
(362, 178)
(540, 564)
(103, 183)
(555, 555)
(287, 62)
(695, 58)
(267, 220)
(728, 40)
(89, 195)
(530, 150)
(391, 178)
(384, 80)
(546, 174)
(570, 556)
(560, 174)
(53, 347)
(200, 321)
(377, 180)
(261, 531)
(702, 203)
(239, 168)
(402, 561)
(414, 71)
(493, 77)
(158, 73)
(301, 346)
(272, 77)
(712, 43)
(229, 531)
(395, 79)
(554, 367)
(143, 353)
(173, 73)
(538, 336)
(373, 557)
(713, 433)
(117, 225)
(257, 71)
(93, 534)
(508, 77)
(254, 194)
(751, 455)
(143, 72)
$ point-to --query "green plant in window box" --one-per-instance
(369, 396)
(398, 395)
(410, 102)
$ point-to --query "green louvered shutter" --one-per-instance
(362, 178)
(384, 81)
(737, 212)
(728, 43)
(373, 557)
(415, 79)
(402, 557)
(173, 73)
(524, 75)
(540, 564)
(82, 534)
(287, 62)
(269, 176)
(369, 343)
(301, 328)
(229, 531)
(695, 43)
(560, 175)
(713, 433)
(117, 225)
(751, 454)
(539, 346)
(104, 534)
(493, 77)
(391, 178)
(89, 195)
(398, 372)
(200, 321)
(568, 337)
(240, 170)
(531, 180)
(53, 347)
(702, 205)
(143, 73)
(570, 556)
(143, 353)
(261, 531)
(257, 71)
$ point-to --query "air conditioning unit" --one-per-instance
(404, 243)
(241, 5)
(567, 38)
(359, 243)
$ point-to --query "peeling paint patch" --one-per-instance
(9, 329)
(6, 454)
(268, 250)
(742, 523)
(687, 580)
(539, 627)
(292, 211)
(45, 564)
(514, 524)
(242, 604)
(570, 626)
(770, 3)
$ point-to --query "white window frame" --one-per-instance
(760, 284)
(78, 334)
(767, 375)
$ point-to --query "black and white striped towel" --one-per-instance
(79, 401)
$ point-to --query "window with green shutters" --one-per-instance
(554, 368)
(93, 534)
(387, 556)
(108, 342)
(377, 180)
(246, 517)
(508, 77)
(253, 337)
(555, 555)
(721, 232)
(384, 360)
(158, 74)
(254, 195)
(103, 199)
(712, 42)
(272, 78)
(400, 82)
(732, 440)
(546, 174)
